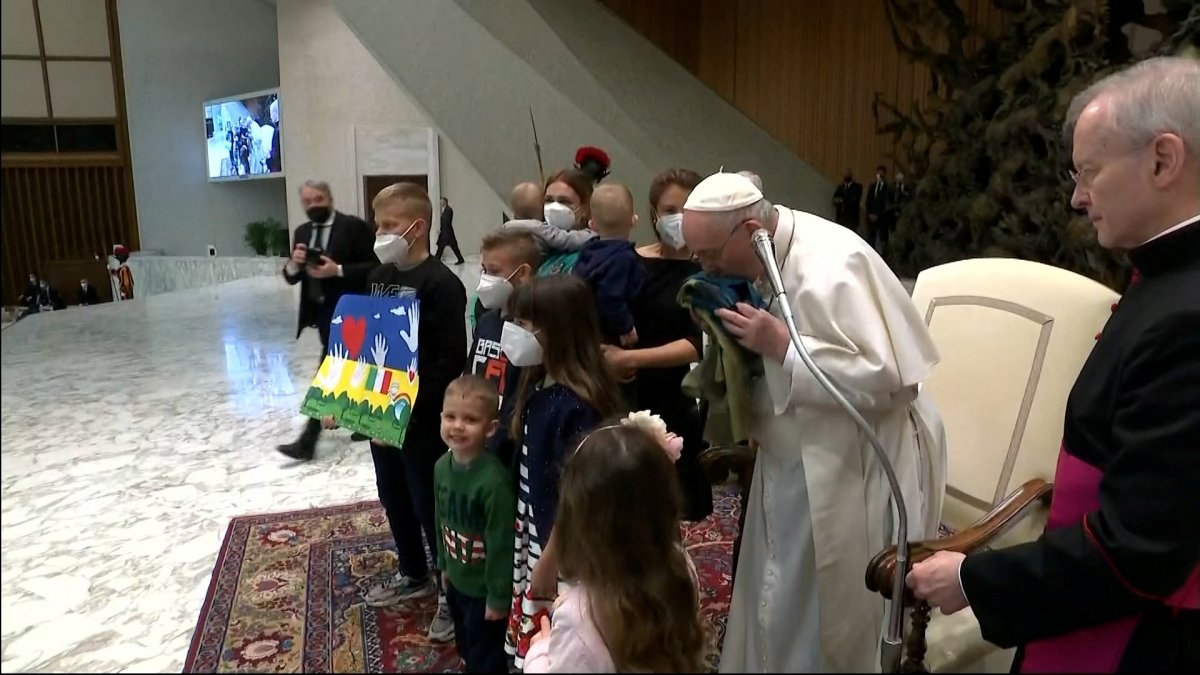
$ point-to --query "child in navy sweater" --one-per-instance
(610, 264)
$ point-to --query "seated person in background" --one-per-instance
(88, 294)
(29, 299)
(510, 260)
(49, 298)
(610, 264)
(564, 230)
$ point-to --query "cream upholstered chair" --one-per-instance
(1013, 335)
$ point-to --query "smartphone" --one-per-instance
(313, 256)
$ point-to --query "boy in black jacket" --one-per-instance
(610, 264)
(404, 475)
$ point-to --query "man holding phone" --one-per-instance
(332, 254)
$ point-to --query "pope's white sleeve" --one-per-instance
(848, 340)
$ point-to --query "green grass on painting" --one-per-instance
(380, 424)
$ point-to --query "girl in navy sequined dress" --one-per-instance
(566, 388)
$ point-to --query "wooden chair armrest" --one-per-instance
(720, 461)
(1006, 514)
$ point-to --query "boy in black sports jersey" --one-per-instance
(510, 258)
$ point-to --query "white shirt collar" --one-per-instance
(332, 215)
(1167, 231)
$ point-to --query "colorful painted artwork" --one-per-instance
(368, 382)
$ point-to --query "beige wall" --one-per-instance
(171, 68)
(335, 96)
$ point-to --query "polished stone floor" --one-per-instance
(131, 434)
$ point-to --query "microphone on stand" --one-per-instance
(891, 644)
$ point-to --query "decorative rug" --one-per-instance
(287, 594)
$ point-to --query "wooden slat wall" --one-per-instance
(804, 70)
(67, 207)
(61, 213)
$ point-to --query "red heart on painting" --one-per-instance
(354, 331)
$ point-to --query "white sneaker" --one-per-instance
(441, 629)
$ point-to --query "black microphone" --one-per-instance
(891, 643)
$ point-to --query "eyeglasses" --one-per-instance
(1084, 177)
(1081, 178)
(715, 252)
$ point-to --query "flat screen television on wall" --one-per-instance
(242, 136)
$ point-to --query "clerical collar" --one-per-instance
(1169, 230)
(1174, 247)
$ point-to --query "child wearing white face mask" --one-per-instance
(510, 259)
(566, 388)
(563, 230)
(404, 475)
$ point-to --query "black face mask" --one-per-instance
(318, 214)
(846, 178)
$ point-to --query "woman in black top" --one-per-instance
(668, 340)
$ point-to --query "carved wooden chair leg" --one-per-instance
(719, 463)
(914, 644)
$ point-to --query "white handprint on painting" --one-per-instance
(379, 350)
(336, 362)
(360, 374)
(410, 335)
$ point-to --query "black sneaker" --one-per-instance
(298, 450)
(359, 438)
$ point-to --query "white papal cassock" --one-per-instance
(820, 506)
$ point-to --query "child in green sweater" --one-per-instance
(474, 512)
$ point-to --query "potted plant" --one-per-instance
(267, 237)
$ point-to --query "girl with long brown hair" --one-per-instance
(633, 604)
(566, 388)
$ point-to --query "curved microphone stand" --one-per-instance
(891, 642)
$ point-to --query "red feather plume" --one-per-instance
(593, 153)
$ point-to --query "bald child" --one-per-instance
(610, 264)
(526, 201)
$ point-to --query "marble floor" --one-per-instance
(131, 433)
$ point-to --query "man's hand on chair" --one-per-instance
(936, 581)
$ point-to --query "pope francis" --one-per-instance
(819, 507)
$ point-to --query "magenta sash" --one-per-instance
(1096, 649)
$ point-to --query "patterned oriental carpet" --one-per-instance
(286, 594)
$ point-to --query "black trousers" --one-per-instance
(480, 642)
(453, 244)
(404, 478)
(312, 428)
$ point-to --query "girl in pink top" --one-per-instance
(633, 603)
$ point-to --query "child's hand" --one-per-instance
(328, 422)
(490, 614)
(544, 582)
(629, 339)
(543, 631)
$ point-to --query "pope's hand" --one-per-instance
(935, 580)
(757, 330)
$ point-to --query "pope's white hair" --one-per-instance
(753, 178)
(762, 211)
(1158, 95)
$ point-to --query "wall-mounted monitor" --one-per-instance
(242, 137)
